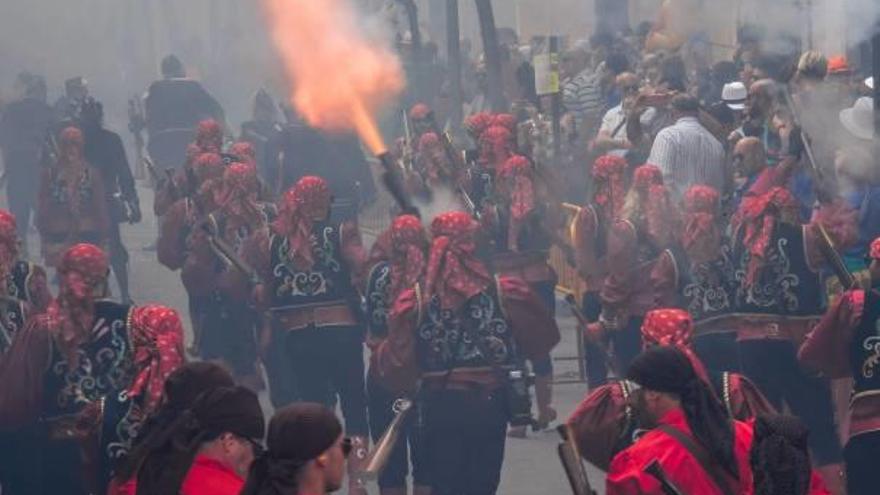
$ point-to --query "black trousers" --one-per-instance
(773, 366)
(627, 342)
(597, 369)
(409, 449)
(227, 334)
(718, 352)
(22, 185)
(465, 438)
(861, 455)
(328, 363)
(20, 463)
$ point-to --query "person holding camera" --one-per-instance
(465, 335)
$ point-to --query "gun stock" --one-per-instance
(572, 463)
(394, 184)
(826, 245)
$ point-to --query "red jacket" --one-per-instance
(209, 477)
(627, 476)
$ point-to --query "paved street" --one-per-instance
(531, 466)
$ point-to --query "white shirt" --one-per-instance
(688, 154)
(614, 121)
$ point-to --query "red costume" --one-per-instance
(603, 422)
(72, 206)
(210, 477)
(590, 226)
(842, 345)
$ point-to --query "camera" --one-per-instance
(519, 402)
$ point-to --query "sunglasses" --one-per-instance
(347, 446)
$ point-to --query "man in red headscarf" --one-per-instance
(397, 262)
(71, 203)
(842, 345)
(635, 241)
(523, 221)
(24, 281)
(589, 234)
(311, 265)
(227, 323)
(696, 274)
(87, 368)
(603, 424)
(464, 335)
(778, 299)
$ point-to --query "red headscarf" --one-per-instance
(758, 215)
(428, 140)
(71, 146)
(83, 271)
(238, 194)
(208, 166)
(431, 154)
(674, 328)
(408, 245)
(419, 111)
(454, 274)
(646, 176)
(477, 123)
(505, 120)
(516, 179)
(874, 252)
(701, 237)
(157, 339)
(8, 242)
(496, 144)
(192, 153)
(299, 207)
(244, 151)
(209, 136)
(608, 172)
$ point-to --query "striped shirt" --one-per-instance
(688, 154)
(582, 96)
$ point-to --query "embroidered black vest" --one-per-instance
(328, 281)
(705, 290)
(532, 236)
(785, 285)
(865, 347)
(104, 368)
(17, 283)
(478, 335)
(10, 323)
(600, 242)
(378, 299)
(647, 250)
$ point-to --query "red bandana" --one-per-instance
(608, 171)
(408, 245)
(83, 271)
(71, 148)
(701, 237)
(758, 215)
(454, 274)
(419, 111)
(515, 177)
(505, 120)
(646, 176)
(874, 252)
(299, 206)
(209, 136)
(238, 194)
(495, 147)
(208, 166)
(157, 338)
(8, 243)
(477, 123)
(245, 152)
(432, 155)
(675, 328)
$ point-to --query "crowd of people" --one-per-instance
(723, 221)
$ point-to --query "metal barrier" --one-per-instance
(570, 282)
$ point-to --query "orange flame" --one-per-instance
(340, 77)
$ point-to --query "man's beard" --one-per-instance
(644, 419)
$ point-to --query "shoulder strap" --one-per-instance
(702, 456)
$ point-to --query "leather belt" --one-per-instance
(297, 318)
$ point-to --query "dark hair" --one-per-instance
(92, 112)
(297, 434)
(172, 449)
(668, 370)
(172, 67)
(724, 72)
(685, 103)
(780, 456)
(617, 63)
(673, 73)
